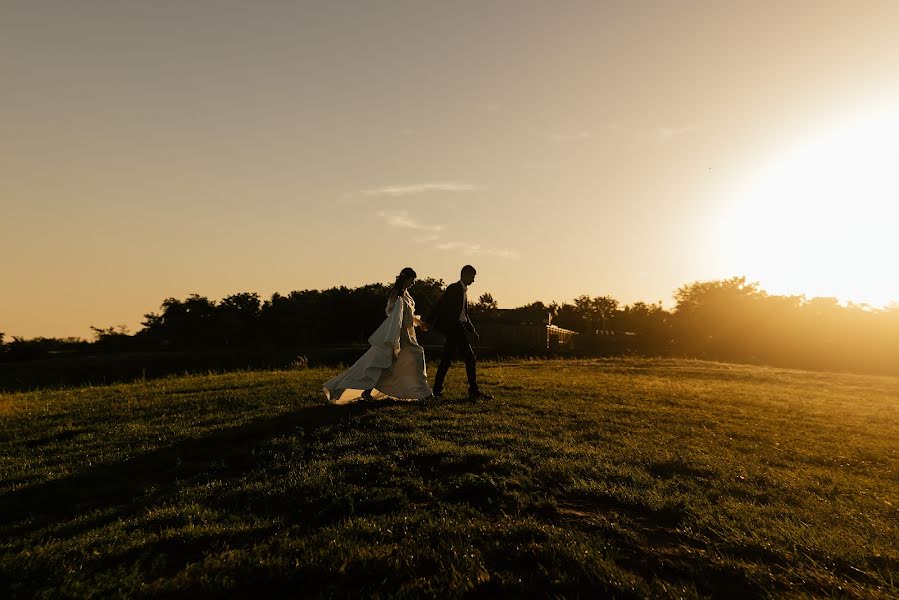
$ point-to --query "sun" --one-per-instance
(822, 219)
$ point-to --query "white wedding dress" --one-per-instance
(394, 366)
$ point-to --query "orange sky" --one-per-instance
(158, 149)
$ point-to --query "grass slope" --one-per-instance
(626, 478)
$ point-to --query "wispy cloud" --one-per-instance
(659, 135)
(396, 191)
(664, 135)
(472, 249)
(571, 136)
(432, 235)
(402, 220)
(489, 108)
(427, 237)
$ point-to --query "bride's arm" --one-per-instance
(391, 302)
(417, 321)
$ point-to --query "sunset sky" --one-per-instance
(155, 149)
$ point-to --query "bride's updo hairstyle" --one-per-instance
(405, 274)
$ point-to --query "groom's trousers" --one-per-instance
(456, 340)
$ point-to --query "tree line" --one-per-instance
(728, 320)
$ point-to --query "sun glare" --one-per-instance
(821, 219)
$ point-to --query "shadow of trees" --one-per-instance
(123, 485)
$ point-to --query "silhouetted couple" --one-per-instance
(394, 366)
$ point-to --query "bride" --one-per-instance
(394, 365)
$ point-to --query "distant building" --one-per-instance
(524, 329)
(512, 329)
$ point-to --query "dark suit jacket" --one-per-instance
(445, 314)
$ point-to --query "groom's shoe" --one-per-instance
(479, 396)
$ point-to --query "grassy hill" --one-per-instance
(626, 478)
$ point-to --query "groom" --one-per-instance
(450, 317)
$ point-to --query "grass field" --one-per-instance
(624, 478)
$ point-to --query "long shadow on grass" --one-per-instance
(125, 484)
(647, 542)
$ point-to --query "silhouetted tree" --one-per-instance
(186, 324)
(649, 320)
(710, 317)
(597, 313)
(487, 302)
(112, 339)
(295, 318)
(486, 307)
(237, 319)
(729, 319)
(426, 293)
(40, 347)
(533, 313)
(569, 317)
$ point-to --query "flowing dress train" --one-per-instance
(394, 365)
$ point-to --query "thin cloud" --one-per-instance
(659, 135)
(428, 237)
(465, 246)
(473, 249)
(431, 234)
(503, 253)
(397, 191)
(400, 219)
(666, 134)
